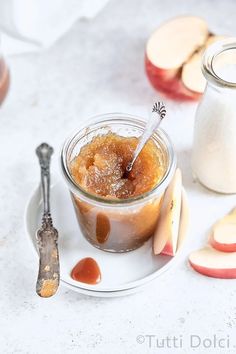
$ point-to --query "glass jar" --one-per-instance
(214, 145)
(117, 225)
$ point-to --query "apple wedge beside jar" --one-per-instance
(174, 219)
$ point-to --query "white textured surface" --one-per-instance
(98, 67)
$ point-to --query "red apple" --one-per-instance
(171, 86)
(168, 48)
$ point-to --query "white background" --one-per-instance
(97, 67)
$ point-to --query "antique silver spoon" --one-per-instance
(157, 114)
(47, 235)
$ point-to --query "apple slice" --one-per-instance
(166, 234)
(184, 220)
(192, 76)
(214, 263)
(168, 48)
(223, 236)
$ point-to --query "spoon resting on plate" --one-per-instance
(157, 114)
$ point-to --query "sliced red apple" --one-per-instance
(223, 236)
(175, 41)
(171, 86)
(214, 263)
(168, 48)
(166, 235)
(192, 76)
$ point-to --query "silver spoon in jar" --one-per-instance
(47, 235)
(157, 114)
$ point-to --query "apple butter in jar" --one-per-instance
(117, 213)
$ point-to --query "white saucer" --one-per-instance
(122, 274)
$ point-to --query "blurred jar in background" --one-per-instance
(4, 77)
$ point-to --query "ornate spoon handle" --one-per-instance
(47, 235)
(157, 114)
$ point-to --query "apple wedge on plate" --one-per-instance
(184, 220)
(173, 220)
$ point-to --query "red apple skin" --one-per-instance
(169, 83)
(215, 273)
(168, 250)
(223, 247)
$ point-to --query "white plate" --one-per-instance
(122, 274)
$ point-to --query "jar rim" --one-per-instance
(209, 58)
(107, 118)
